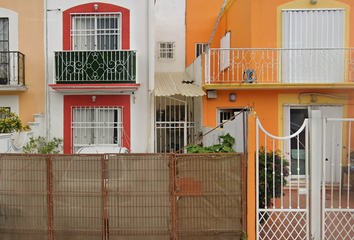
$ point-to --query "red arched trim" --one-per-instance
(103, 8)
(101, 100)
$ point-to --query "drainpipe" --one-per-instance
(151, 75)
(47, 98)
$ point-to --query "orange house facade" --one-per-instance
(22, 58)
(280, 58)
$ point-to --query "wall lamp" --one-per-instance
(93, 98)
(232, 97)
(95, 6)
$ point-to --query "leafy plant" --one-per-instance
(280, 166)
(224, 147)
(10, 122)
(41, 146)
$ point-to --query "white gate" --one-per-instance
(337, 192)
(283, 196)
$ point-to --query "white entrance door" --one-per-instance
(333, 142)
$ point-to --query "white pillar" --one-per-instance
(315, 174)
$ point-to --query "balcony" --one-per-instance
(100, 67)
(296, 67)
(12, 71)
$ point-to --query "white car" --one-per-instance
(102, 150)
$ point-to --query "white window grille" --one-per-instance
(96, 31)
(166, 50)
(225, 54)
(96, 126)
(200, 48)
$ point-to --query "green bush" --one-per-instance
(10, 122)
(281, 172)
(224, 147)
(41, 146)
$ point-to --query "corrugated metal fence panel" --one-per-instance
(139, 196)
(209, 196)
(77, 197)
(311, 29)
(23, 197)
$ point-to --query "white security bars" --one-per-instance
(282, 199)
(96, 31)
(174, 126)
(96, 126)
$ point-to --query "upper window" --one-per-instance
(166, 50)
(4, 50)
(96, 31)
(200, 48)
(4, 34)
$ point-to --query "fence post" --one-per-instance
(50, 197)
(172, 197)
(315, 174)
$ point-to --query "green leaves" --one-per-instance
(10, 122)
(224, 147)
(41, 146)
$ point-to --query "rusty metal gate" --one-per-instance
(129, 196)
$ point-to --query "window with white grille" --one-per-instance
(96, 126)
(200, 48)
(166, 50)
(224, 114)
(96, 31)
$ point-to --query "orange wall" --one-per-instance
(31, 44)
(201, 16)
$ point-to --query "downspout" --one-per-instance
(47, 98)
(151, 76)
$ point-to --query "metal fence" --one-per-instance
(95, 66)
(12, 68)
(150, 196)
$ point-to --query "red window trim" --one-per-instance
(101, 100)
(103, 8)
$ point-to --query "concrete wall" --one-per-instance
(170, 27)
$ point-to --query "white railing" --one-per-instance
(316, 65)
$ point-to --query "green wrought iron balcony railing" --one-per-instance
(115, 66)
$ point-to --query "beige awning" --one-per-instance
(174, 83)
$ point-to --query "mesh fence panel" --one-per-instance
(209, 202)
(23, 197)
(77, 197)
(139, 196)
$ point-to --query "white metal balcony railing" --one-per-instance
(318, 65)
